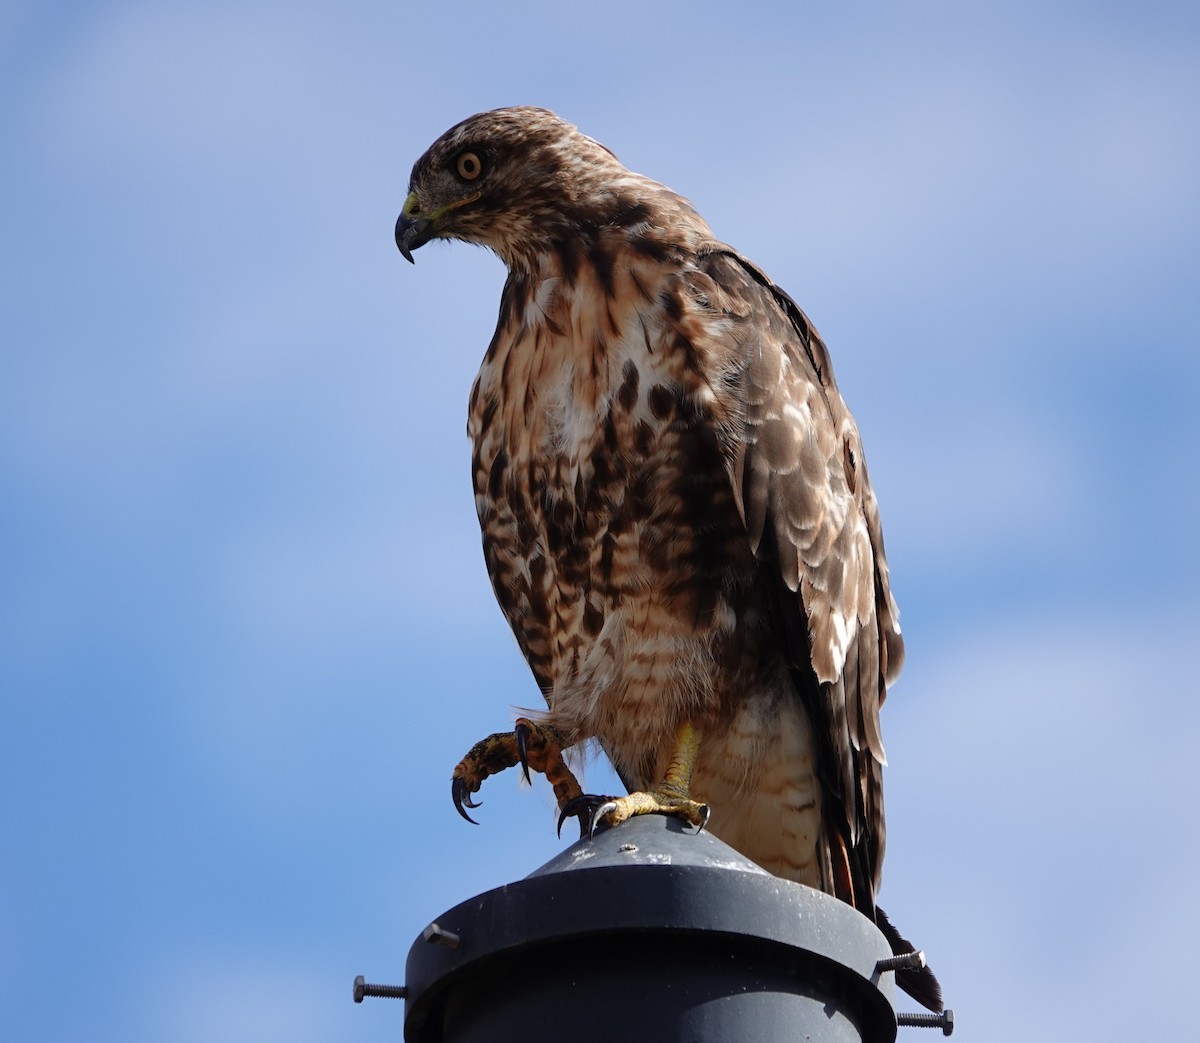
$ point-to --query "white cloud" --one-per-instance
(1037, 810)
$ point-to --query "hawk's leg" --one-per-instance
(531, 745)
(669, 797)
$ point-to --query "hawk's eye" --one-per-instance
(468, 165)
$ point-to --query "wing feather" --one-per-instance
(796, 464)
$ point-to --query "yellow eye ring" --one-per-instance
(468, 165)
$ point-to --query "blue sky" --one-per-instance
(245, 630)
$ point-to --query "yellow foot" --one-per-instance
(612, 811)
(669, 797)
(529, 744)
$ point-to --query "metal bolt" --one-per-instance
(440, 936)
(943, 1021)
(905, 961)
(363, 988)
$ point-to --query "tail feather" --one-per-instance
(921, 984)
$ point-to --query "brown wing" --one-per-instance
(813, 523)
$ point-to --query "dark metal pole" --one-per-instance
(650, 932)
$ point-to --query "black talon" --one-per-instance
(460, 798)
(562, 817)
(585, 806)
(705, 812)
(521, 733)
(572, 807)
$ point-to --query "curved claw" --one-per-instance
(521, 734)
(598, 814)
(705, 813)
(562, 817)
(460, 798)
(578, 806)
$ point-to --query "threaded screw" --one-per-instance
(363, 988)
(437, 934)
(906, 961)
(943, 1021)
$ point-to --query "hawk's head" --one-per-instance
(520, 181)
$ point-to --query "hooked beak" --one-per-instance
(412, 230)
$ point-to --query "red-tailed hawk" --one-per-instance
(676, 514)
